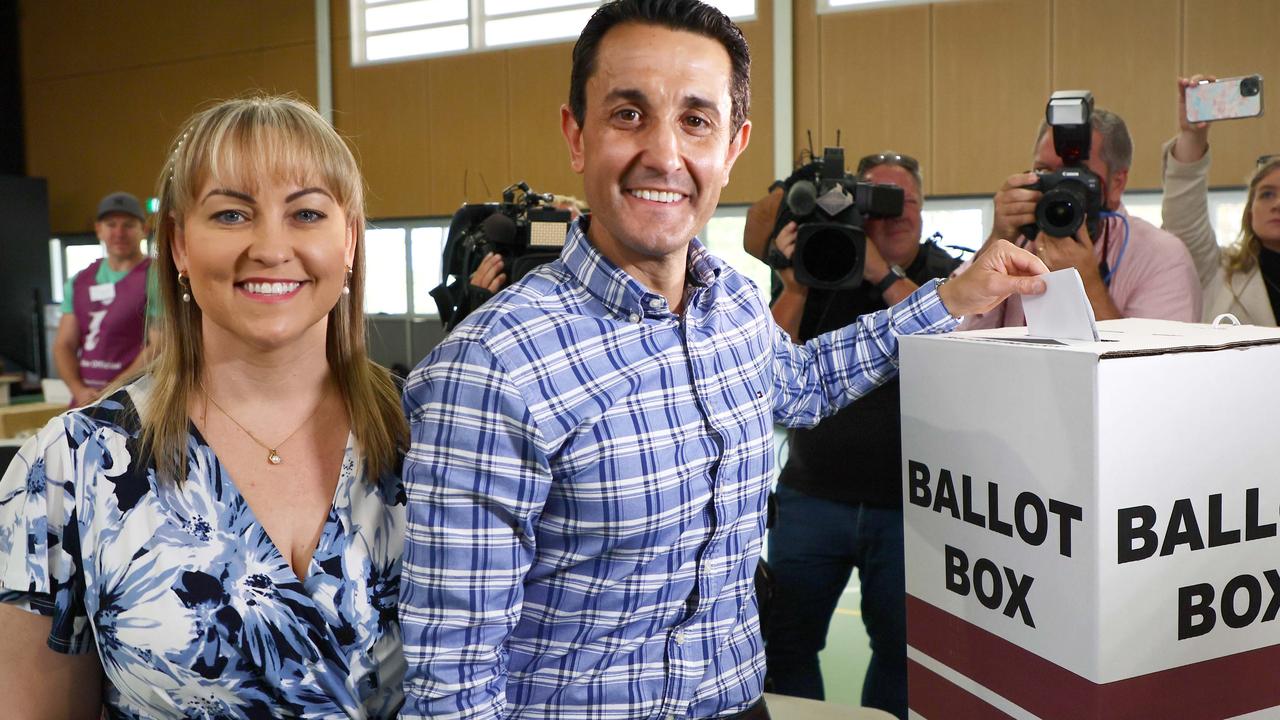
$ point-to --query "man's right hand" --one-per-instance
(1000, 270)
(490, 275)
(1015, 206)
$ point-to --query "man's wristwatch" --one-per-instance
(895, 274)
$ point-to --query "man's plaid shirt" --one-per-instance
(587, 486)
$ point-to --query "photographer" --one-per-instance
(491, 276)
(1130, 268)
(490, 245)
(839, 499)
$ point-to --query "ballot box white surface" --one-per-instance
(1091, 529)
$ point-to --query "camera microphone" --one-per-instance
(802, 198)
(499, 229)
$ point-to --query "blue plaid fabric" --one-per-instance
(587, 486)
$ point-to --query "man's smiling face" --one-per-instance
(656, 143)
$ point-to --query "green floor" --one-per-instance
(844, 661)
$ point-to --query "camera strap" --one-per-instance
(1109, 272)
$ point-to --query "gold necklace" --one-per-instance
(273, 454)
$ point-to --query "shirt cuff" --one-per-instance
(922, 312)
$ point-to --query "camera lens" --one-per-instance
(829, 255)
(1059, 214)
(1061, 211)
(1250, 86)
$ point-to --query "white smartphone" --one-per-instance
(1225, 99)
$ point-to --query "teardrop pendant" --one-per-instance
(274, 458)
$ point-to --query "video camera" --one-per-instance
(829, 207)
(524, 229)
(1073, 194)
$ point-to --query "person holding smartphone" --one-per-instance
(1243, 280)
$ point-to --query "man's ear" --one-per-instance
(1115, 188)
(573, 137)
(736, 145)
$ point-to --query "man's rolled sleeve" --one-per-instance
(476, 479)
(814, 380)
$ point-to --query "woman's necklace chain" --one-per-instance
(273, 454)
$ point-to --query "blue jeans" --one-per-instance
(813, 549)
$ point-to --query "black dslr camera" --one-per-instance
(1073, 194)
(524, 229)
(829, 207)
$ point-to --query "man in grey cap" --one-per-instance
(103, 333)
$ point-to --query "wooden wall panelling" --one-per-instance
(753, 171)
(1228, 38)
(383, 111)
(875, 83)
(538, 85)
(340, 19)
(82, 158)
(808, 69)
(1127, 54)
(990, 83)
(467, 124)
(106, 85)
(69, 37)
(92, 134)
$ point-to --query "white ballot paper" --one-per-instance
(1063, 312)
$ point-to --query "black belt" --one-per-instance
(757, 711)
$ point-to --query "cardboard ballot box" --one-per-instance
(1091, 529)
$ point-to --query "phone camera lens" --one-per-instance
(1249, 86)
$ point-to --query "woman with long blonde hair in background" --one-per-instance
(222, 536)
(1243, 279)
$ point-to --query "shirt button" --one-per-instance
(655, 303)
(678, 637)
(634, 317)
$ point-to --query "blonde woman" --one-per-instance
(1243, 280)
(222, 537)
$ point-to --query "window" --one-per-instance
(826, 6)
(723, 237)
(402, 265)
(1226, 207)
(70, 255)
(386, 289)
(959, 225)
(1145, 205)
(426, 247)
(387, 30)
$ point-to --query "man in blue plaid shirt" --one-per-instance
(593, 447)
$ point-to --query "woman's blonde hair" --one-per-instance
(1242, 256)
(236, 143)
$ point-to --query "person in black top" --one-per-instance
(839, 499)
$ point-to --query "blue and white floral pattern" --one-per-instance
(193, 610)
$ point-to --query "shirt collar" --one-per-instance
(620, 292)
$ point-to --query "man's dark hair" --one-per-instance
(687, 15)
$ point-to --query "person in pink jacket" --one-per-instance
(1132, 269)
